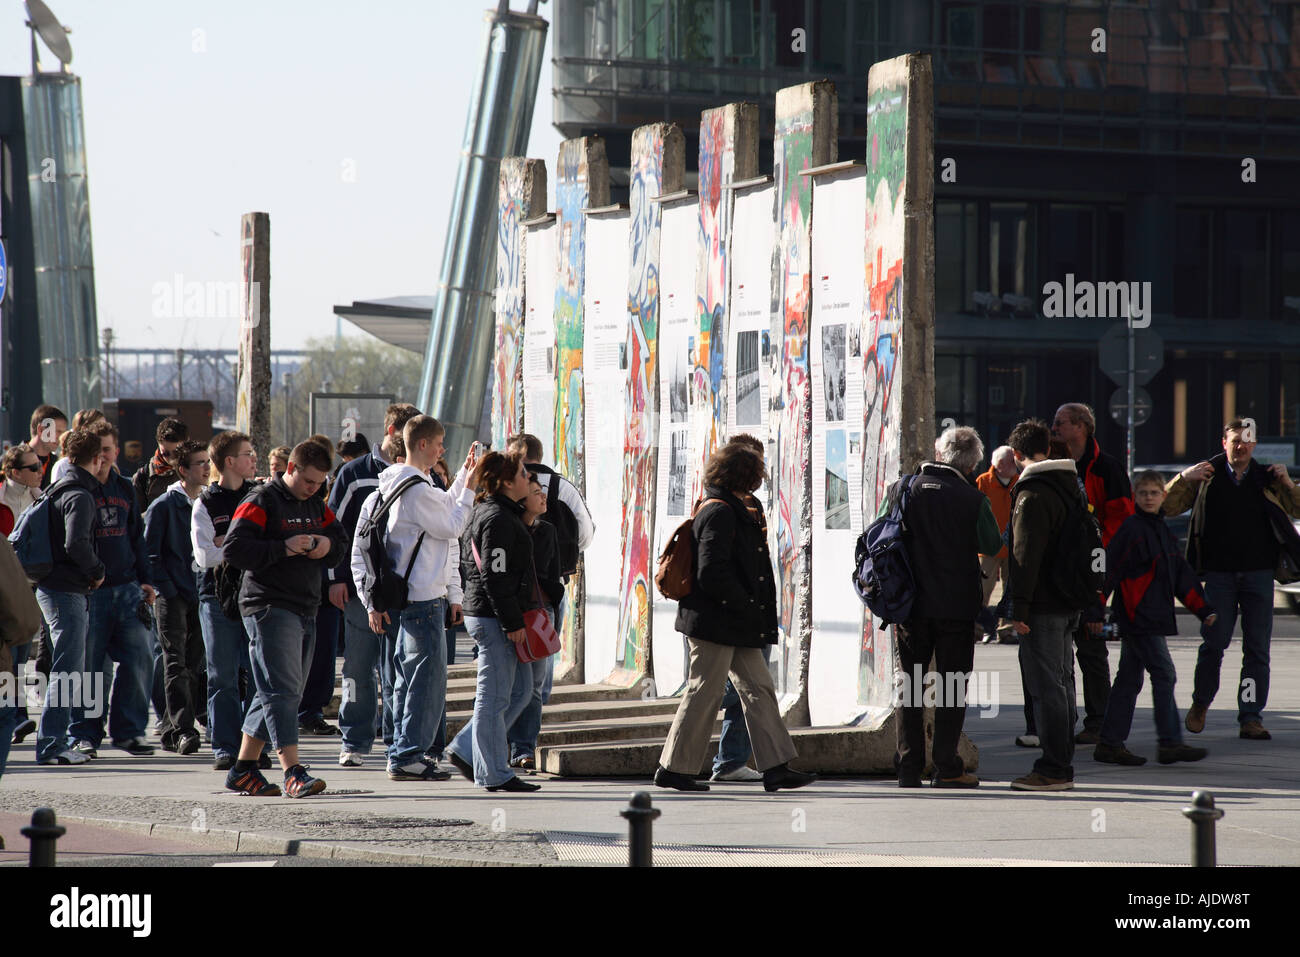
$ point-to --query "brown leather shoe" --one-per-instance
(1254, 731)
(1195, 721)
(964, 780)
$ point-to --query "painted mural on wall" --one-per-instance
(717, 164)
(507, 360)
(792, 153)
(882, 327)
(572, 196)
(641, 400)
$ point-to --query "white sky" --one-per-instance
(181, 143)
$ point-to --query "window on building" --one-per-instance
(1012, 240)
(1245, 272)
(693, 30)
(829, 35)
(640, 29)
(956, 254)
(1290, 263)
(1071, 243)
(955, 384)
(1112, 243)
(1192, 244)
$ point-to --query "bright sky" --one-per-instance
(268, 117)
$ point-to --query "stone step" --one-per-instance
(594, 712)
(609, 730)
(462, 698)
(832, 750)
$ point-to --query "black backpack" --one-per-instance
(382, 588)
(566, 527)
(226, 580)
(1077, 569)
(882, 573)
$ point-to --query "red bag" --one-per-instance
(541, 640)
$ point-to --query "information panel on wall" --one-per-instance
(678, 231)
(835, 364)
(539, 336)
(750, 327)
(605, 370)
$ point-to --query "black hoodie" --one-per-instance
(73, 517)
(262, 523)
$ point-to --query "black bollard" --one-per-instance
(43, 834)
(639, 816)
(1202, 814)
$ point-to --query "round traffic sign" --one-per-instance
(1142, 406)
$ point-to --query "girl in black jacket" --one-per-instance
(499, 572)
(729, 615)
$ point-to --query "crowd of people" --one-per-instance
(1051, 491)
(220, 598)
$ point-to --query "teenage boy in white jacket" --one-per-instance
(425, 518)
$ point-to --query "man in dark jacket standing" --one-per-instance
(1111, 500)
(280, 536)
(1239, 510)
(171, 550)
(62, 594)
(116, 632)
(950, 523)
(159, 473)
(1043, 618)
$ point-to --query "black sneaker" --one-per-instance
(418, 771)
(223, 762)
(1183, 752)
(137, 746)
(187, 743)
(461, 765)
(251, 783)
(299, 784)
(1112, 754)
(318, 727)
(23, 730)
(264, 761)
(514, 784)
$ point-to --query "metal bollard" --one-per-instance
(639, 816)
(1202, 814)
(43, 833)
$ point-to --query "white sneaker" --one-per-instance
(351, 759)
(1028, 741)
(742, 773)
(67, 757)
(86, 747)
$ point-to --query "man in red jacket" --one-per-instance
(1111, 500)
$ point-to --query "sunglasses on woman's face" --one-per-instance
(34, 467)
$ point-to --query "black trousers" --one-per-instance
(950, 642)
(184, 666)
(1094, 672)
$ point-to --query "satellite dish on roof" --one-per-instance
(43, 21)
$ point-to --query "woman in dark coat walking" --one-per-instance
(727, 618)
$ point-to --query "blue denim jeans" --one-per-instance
(420, 688)
(280, 649)
(225, 646)
(116, 634)
(363, 651)
(68, 618)
(1140, 653)
(320, 678)
(1047, 661)
(733, 747)
(523, 733)
(499, 696)
(21, 654)
(1226, 592)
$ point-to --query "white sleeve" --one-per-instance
(202, 534)
(568, 494)
(455, 594)
(358, 563)
(436, 512)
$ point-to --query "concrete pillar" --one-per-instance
(898, 321)
(253, 399)
(658, 161)
(806, 136)
(582, 182)
(728, 151)
(521, 196)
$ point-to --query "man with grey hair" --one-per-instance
(996, 485)
(949, 524)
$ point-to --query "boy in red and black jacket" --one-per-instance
(1146, 571)
(281, 535)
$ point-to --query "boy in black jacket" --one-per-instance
(280, 536)
(1146, 571)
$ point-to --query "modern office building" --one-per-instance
(1084, 142)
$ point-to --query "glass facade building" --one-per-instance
(1129, 142)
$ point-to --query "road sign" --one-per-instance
(1142, 406)
(1148, 354)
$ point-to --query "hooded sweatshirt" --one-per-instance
(422, 509)
(171, 551)
(1037, 518)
